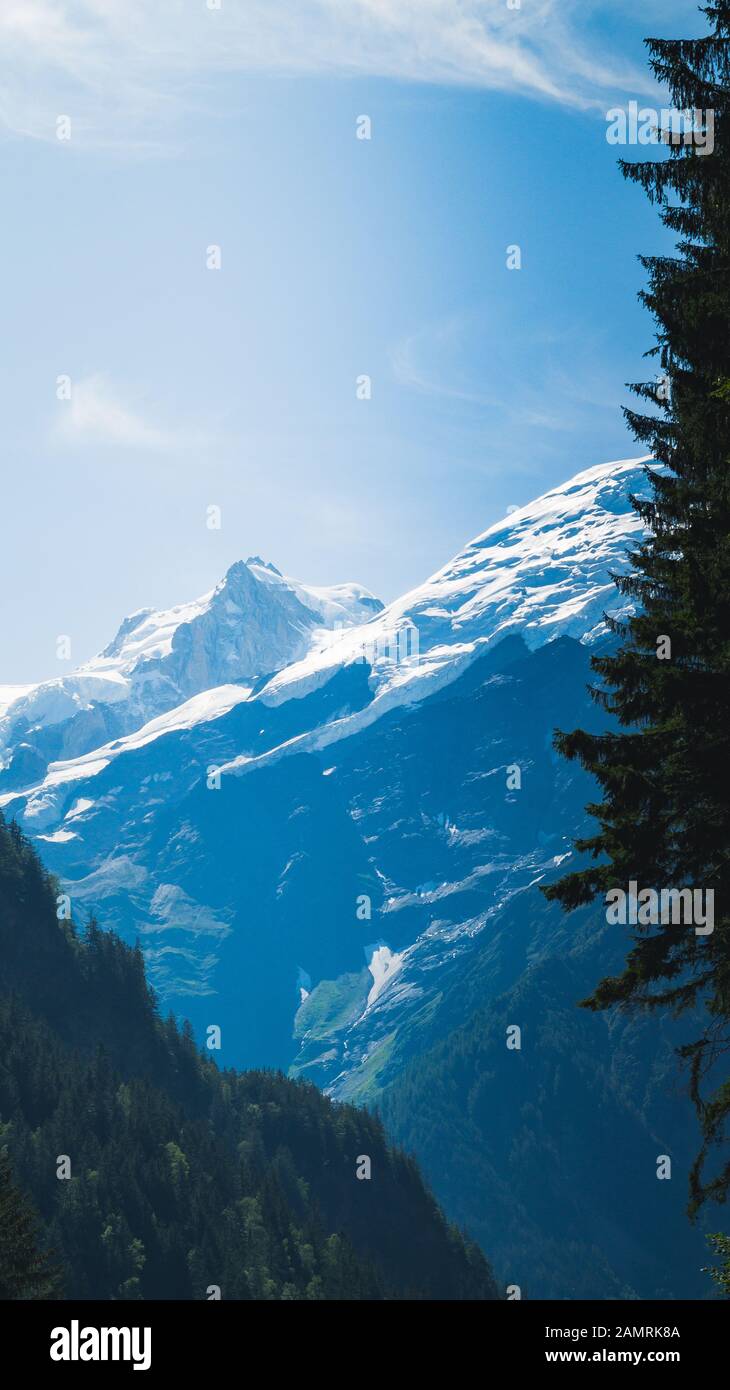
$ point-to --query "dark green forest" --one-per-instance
(183, 1178)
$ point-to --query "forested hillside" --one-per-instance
(154, 1174)
(549, 1148)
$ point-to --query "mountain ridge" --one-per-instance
(499, 583)
(251, 623)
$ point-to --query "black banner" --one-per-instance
(162, 1338)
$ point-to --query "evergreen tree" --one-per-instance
(720, 1246)
(664, 820)
(25, 1269)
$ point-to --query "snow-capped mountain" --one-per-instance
(195, 824)
(254, 622)
(542, 572)
(313, 825)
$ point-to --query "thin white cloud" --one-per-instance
(429, 360)
(450, 360)
(122, 67)
(95, 415)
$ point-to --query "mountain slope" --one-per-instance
(542, 573)
(550, 1150)
(158, 1176)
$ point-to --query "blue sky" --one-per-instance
(193, 387)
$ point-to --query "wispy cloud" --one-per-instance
(459, 359)
(125, 66)
(96, 415)
(423, 361)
